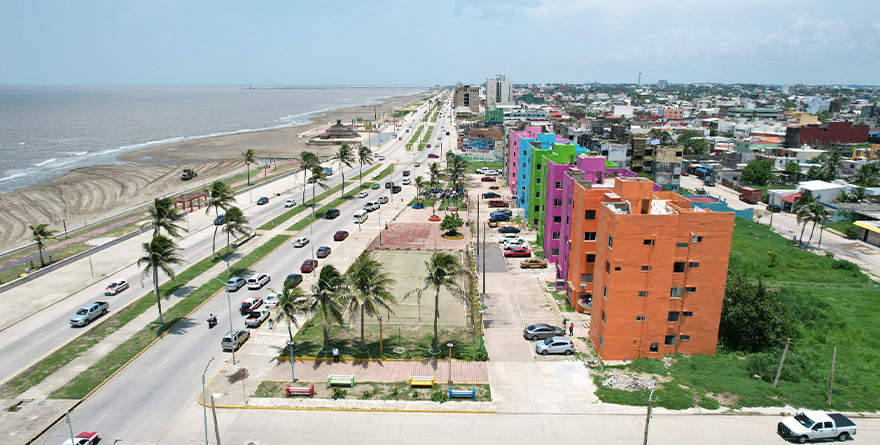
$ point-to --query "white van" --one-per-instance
(360, 216)
(371, 206)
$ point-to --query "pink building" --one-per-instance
(514, 139)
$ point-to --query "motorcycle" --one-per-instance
(212, 321)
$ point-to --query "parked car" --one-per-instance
(234, 339)
(490, 195)
(517, 252)
(498, 203)
(256, 318)
(447, 133)
(220, 220)
(363, 194)
(774, 208)
(383, 200)
(258, 281)
(308, 266)
(493, 223)
(84, 438)
(290, 203)
(340, 235)
(371, 206)
(389, 184)
(396, 189)
(262, 201)
(708, 182)
(380, 157)
(322, 252)
(513, 244)
(434, 155)
(331, 214)
(89, 313)
(816, 425)
(533, 263)
(250, 304)
(508, 237)
(555, 345)
(428, 146)
(486, 171)
(116, 287)
(300, 242)
(235, 283)
(406, 181)
(508, 229)
(293, 280)
(406, 173)
(500, 216)
(541, 331)
(487, 179)
(271, 300)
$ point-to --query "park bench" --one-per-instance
(469, 393)
(340, 380)
(302, 391)
(418, 380)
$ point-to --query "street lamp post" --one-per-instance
(229, 303)
(292, 374)
(481, 329)
(380, 335)
(204, 402)
(450, 362)
(66, 415)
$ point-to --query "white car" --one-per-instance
(258, 281)
(116, 287)
(508, 237)
(290, 203)
(380, 157)
(300, 242)
(271, 300)
(406, 181)
(515, 243)
(371, 206)
(362, 194)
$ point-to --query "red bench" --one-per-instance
(293, 391)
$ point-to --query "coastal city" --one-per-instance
(480, 259)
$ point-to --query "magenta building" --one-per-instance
(514, 139)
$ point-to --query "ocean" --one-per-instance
(47, 131)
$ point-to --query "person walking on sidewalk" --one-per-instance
(564, 323)
(571, 330)
(335, 355)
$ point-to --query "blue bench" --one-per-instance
(463, 393)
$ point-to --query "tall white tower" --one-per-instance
(499, 91)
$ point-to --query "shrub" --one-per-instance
(438, 396)
(394, 393)
(798, 366)
(415, 395)
(339, 393)
(648, 365)
(366, 395)
(845, 265)
(851, 231)
(709, 403)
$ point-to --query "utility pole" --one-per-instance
(214, 413)
(831, 382)
(784, 352)
(484, 263)
(648, 418)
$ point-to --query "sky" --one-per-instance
(428, 42)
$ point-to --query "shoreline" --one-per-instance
(95, 192)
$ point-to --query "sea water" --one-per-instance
(47, 131)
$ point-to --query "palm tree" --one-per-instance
(817, 215)
(364, 156)
(868, 175)
(325, 298)
(801, 208)
(420, 184)
(249, 156)
(319, 177)
(346, 157)
(658, 133)
(307, 160)
(235, 224)
(164, 215)
(41, 233)
(444, 271)
(289, 303)
(456, 170)
(434, 174)
(832, 161)
(219, 197)
(159, 253)
(370, 289)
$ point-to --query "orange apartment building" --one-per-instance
(651, 269)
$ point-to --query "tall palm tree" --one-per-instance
(663, 135)
(456, 171)
(319, 177)
(434, 174)
(220, 196)
(829, 168)
(290, 302)
(364, 156)
(444, 271)
(801, 209)
(325, 299)
(345, 156)
(235, 224)
(159, 253)
(370, 289)
(818, 215)
(164, 215)
(868, 175)
(307, 160)
(420, 184)
(41, 233)
(249, 156)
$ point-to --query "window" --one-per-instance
(554, 251)
(675, 292)
(555, 235)
(557, 202)
(603, 316)
(654, 347)
(557, 219)
(535, 220)
(586, 278)
(673, 316)
(537, 194)
(537, 208)
(696, 239)
(537, 180)
(640, 318)
(643, 293)
(610, 241)
(684, 337)
(558, 185)
(607, 267)
(589, 214)
(601, 341)
(678, 267)
(687, 314)
(591, 258)
(670, 340)
(617, 268)
(692, 264)
(690, 290)
(589, 236)
(646, 268)
(605, 292)
(681, 244)
(679, 153)
(648, 242)
(538, 166)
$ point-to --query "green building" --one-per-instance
(494, 116)
(542, 160)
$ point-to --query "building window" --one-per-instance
(603, 316)
(678, 267)
(591, 258)
(696, 239)
(555, 235)
(589, 236)
(554, 251)
(640, 318)
(537, 180)
(654, 347)
(684, 337)
(601, 341)
(690, 290)
(693, 264)
(607, 267)
(557, 202)
(610, 241)
(586, 278)
(537, 194)
(673, 316)
(617, 268)
(538, 166)
(648, 242)
(589, 214)
(670, 340)
(681, 244)
(557, 219)
(643, 293)
(558, 185)
(687, 314)
(605, 292)
(537, 208)
(675, 292)
(535, 220)
(646, 268)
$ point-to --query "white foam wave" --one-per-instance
(22, 143)
(75, 153)
(13, 176)
(48, 161)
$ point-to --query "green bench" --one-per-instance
(346, 380)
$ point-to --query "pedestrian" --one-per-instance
(571, 330)
(564, 324)
(335, 354)
(271, 323)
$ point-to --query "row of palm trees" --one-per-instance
(807, 210)
(345, 155)
(364, 290)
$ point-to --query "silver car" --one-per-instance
(555, 345)
(234, 340)
(235, 283)
(541, 331)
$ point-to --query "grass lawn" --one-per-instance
(257, 176)
(375, 391)
(834, 305)
(415, 138)
(474, 165)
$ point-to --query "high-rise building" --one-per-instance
(499, 91)
(467, 96)
(662, 84)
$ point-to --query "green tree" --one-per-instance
(830, 164)
(657, 133)
(793, 168)
(365, 156)
(234, 224)
(326, 298)
(420, 184)
(818, 214)
(444, 271)
(307, 160)
(434, 175)
(219, 197)
(801, 209)
(249, 156)
(369, 290)
(868, 175)
(40, 233)
(758, 172)
(814, 172)
(451, 222)
(693, 142)
(345, 156)
(164, 215)
(290, 302)
(319, 178)
(159, 253)
(753, 318)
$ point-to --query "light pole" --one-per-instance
(481, 329)
(380, 335)
(204, 402)
(292, 375)
(229, 303)
(66, 415)
(450, 362)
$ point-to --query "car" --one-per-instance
(434, 156)
(271, 300)
(428, 146)
(533, 263)
(258, 281)
(509, 228)
(300, 242)
(438, 138)
(685, 173)
(256, 318)
(311, 180)
(262, 201)
(540, 331)
(418, 164)
(84, 438)
(234, 339)
(816, 425)
(220, 219)
(708, 182)
(250, 304)
(400, 138)
(290, 203)
(406, 181)
(383, 200)
(89, 313)
(235, 283)
(500, 216)
(486, 171)
(389, 184)
(493, 223)
(498, 203)
(701, 191)
(517, 252)
(293, 280)
(774, 208)
(372, 206)
(491, 195)
(487, 179)
(396, 189)
(512, 244)
(380, 157)
(375, 186)
(116, 287)
(322, 252)
(363, 194)
(447, 133)
(308, 266)
(406, 173)
(331, 214)
(340, 235)
(508, 237)
(555, 345)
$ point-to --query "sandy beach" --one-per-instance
(93, 193)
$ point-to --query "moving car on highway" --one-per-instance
(300, 242)
(89, 312)
(258, 281)
(116, 287)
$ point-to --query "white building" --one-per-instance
(499, 91)
(823, 191)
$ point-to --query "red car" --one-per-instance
(340, 235)
(487, 179)
(518, 252)
(434, 155)
(308, 266)
(85, 438)
(498, 203)
(406, 173)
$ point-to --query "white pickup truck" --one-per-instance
(816, 425)
(256, 318)
(487, 171)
